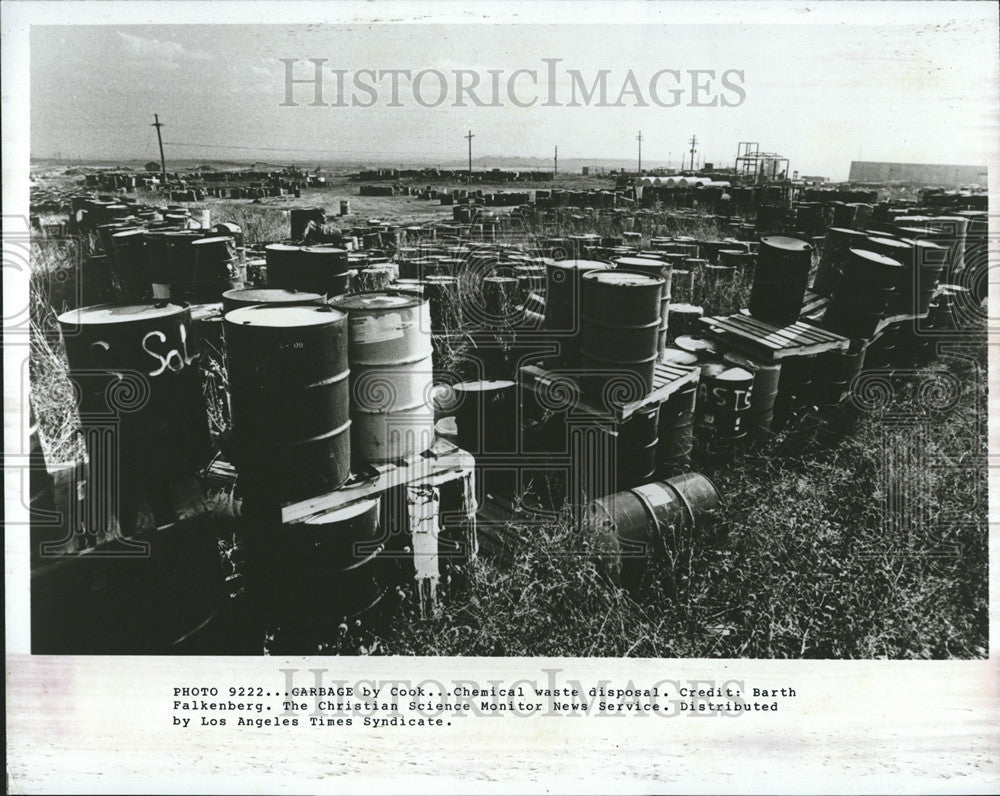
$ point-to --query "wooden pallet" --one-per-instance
(768, 343)
(668, 378)
(813, 306)
(421, 475)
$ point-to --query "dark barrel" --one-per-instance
(660, 268)
(635, 453)
(322, 572)
(486, 414)
(676, 431)
(216, 269)
(288, 383)
(723, 402)
(135, 365)
(272, 296)
(836, 244)
(132, 264)
(620, 319)
(904, 299)
(779, 280)
(563, 288)
(683, 321)
(862, 294)
(835, 372)
(300, 218)
(180, 260)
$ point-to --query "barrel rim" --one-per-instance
(169, 309)
(330, 316)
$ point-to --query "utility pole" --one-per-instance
(693, 142)
(159, 137)
(555, 162)
(639, 139)
(470, 136)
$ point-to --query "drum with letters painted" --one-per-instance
(134, 369)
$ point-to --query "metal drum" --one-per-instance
(836, 244)
(180, 260)
(391, 375)
(723, 403)
(861, 296)
(620, 319)
(132, 264)
(486, 414)
(836, 371)
(273, 297)
(638, 438)
(764, 393)
(289, 390)
(134, 368)
(904, 299)
(563, 290)
(779, 280)
(323, 571)
(301, 217)
(629, 529)
(157, 266)
(216, 269)
(676, 432)
(683, 320)
(659, 268)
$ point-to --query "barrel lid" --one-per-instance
(678, 356)
(282, 247)
(375, 301)
(624, 279)
(443, 279)
(130, 233)
(713, 370)
(883, 241)
(875, 258)
(266, 294)
(734, 374)
(119, 313)
(695, 344)
(483, 386)
(788, 244)
(845, 231)
(283, 316)
(628, 261)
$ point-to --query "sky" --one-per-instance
(820, 94)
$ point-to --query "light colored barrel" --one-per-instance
(389, 352)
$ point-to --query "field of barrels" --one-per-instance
(570, 427)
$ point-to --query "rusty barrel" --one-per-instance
(779, 280)
(630, 529)
(390, 350)
(563, 291)
(289, 390)
(620, 319)
(862, 294)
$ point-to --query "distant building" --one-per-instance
(919, 173)
(152, 166)
(585, 171)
